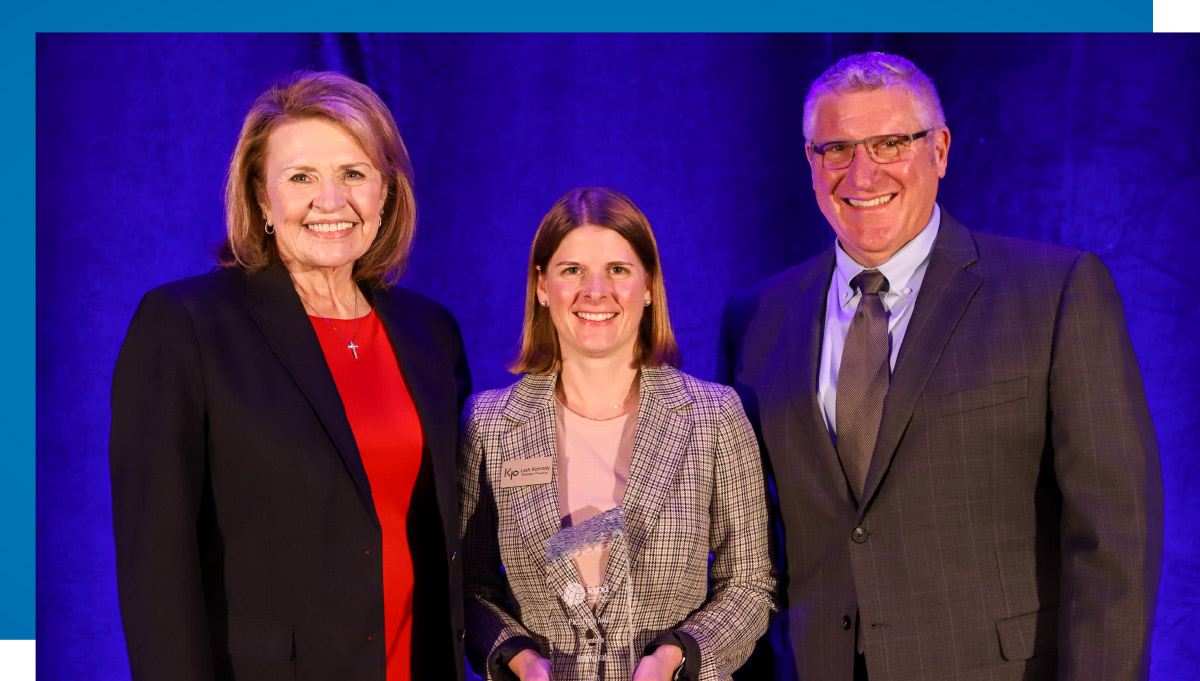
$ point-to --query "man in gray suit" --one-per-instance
(967, 476)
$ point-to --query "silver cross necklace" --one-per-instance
(350, 345)
(349, 342)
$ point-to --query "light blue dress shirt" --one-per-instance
(904, 271)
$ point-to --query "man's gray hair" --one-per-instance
(873, 71)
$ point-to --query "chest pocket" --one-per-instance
(984, 396)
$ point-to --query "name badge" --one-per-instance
(522, 472)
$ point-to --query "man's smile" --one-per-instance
(867, 203)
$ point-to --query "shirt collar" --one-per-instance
(898, 269)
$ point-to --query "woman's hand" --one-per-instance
(659, 665)
(529, 666)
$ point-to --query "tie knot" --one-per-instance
(869, 282)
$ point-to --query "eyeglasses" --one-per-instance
(839, 154)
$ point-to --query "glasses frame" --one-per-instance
(819, 149)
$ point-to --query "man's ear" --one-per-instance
(941, 149)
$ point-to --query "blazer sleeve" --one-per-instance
(494, 636)
(157, 459)
(1107, 468)
(742, 581)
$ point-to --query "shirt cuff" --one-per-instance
(690, 671)
(505, 652)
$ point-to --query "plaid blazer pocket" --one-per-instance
(984, 396)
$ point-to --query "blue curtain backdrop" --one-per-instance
(1091, 141)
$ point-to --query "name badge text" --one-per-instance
(521, 472)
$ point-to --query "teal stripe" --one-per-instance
(17, 345)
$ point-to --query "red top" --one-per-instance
(389, 437)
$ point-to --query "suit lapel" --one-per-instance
(279, 314)
(530, 413)
(945, 293)
(803, 328)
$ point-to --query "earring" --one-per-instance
(269, 229)
(543, 303)
(647, 302)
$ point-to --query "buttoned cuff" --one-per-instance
(690, 671)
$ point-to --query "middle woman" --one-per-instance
(593, 490)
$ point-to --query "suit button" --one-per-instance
(859, 535)
(846, 623)
(589, 634)
(462, 635)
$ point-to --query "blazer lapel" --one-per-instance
(616, 573)
(658, 447)
(530, 410)
(276, 309)
(410, 342)
(797, 377)
(530, 413)
(562, 581)
(945, 293)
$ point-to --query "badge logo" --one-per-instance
(522, 472)
(574, 594)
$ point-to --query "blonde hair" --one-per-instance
(610, 209)
(363, 115)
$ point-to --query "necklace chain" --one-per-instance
(605, 415)
(350, 345)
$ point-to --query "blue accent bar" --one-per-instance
(612, 15)
(17, 347)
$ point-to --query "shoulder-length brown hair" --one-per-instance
(359, 111)
(600, 207)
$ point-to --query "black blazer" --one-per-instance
(247, 542)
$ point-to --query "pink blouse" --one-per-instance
(593, 470)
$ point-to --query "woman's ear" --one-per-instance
(542, 294)
(264, 204)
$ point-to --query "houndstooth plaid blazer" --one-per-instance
(695, 487)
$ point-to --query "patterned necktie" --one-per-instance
(863, 380)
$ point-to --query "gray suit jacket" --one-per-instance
(695, 487)
(1011, 526)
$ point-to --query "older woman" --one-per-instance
(602, 480)
(284, 428)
